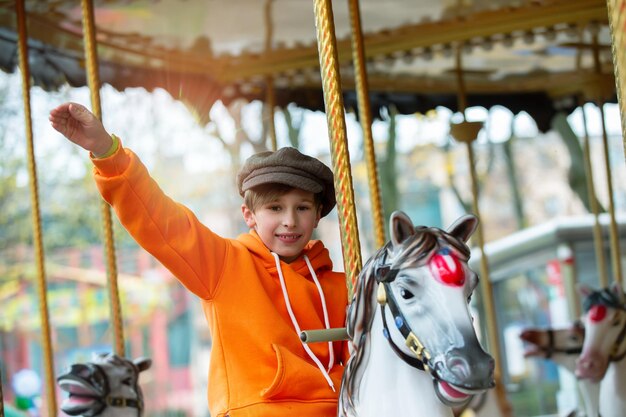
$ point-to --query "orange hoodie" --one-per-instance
(258, 367)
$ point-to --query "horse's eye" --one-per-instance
(469, 298)
(406, 294)
(616, 322)
(127, 381)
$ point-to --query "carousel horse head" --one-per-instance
(105, 382)
(605, 325)
(548, 342)
(418, 287)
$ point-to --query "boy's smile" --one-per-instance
(286, 224)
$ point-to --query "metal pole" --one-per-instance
(617, 24)
(46, 340)
(614, 237)
(468, 137)
(365, 117)
(331, 83)
(93, 78)
(270, 94)
(597, 229)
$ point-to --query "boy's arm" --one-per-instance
(165, 228)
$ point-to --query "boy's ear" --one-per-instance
(318, 216)
(248, 216)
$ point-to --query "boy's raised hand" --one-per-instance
(81, 126)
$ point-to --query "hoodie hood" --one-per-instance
(316, 252)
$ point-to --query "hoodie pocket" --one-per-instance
(296, 378)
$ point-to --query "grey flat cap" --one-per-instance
(290, 167)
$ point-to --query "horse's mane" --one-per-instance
(413, 252)
(604, 297)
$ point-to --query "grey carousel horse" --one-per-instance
(414, 348)
(107, 386)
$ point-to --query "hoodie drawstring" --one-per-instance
(331, 359)
(294, 321)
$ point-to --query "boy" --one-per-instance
(257, 291)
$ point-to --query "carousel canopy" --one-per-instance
(539, 56)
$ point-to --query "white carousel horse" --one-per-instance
(604, 349)
(562, 346)
(107, 386)
(414, 350)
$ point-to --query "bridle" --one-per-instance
(384, 275)
(615, 356)
(97, 373)
(551, 349)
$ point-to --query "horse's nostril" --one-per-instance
(459, 367)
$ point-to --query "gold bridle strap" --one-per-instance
(422, 357)
(91, 58)
(333, 102)
(35, 212)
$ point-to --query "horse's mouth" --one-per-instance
(81, 397)
(452, 395)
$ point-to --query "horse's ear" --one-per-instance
(464, 227)
(618, 291)
(142, 363)
(401, 227)
(584, 289)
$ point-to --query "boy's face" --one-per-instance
(286, 224)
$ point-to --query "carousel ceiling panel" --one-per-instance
(204, 50)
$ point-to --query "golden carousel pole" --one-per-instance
(617, 24)
(467, 133)
(270, 94)
(333, 101)
(362, 90)
(597, 229)
(614, 234)
(1, 397)
(93, 78)
(46, 341)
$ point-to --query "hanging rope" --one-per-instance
(362, 91)
(333, 101)
(593, 202)
(467, 133)
(35, 211)
(270, 94)
(89, 39)
(614, 234)
(617, 24)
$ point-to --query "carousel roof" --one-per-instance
(536, 56)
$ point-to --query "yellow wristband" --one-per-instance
(114, 145)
